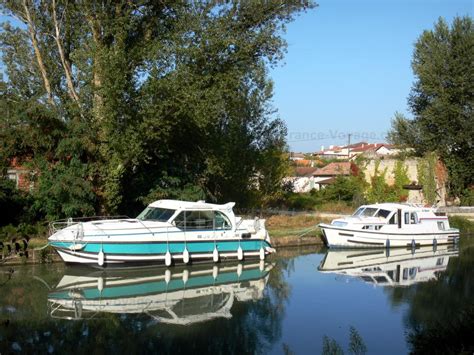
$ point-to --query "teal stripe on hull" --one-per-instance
(161, 248)
(161, 286)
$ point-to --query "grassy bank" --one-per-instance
(295, 230)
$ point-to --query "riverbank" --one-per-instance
(296, 230)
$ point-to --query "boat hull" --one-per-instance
(338, 237)
(122, 253)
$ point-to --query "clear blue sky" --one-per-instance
(348, 68)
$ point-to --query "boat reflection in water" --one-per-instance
(390, 267)
(177, 296)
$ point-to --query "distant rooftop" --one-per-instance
(335, 168)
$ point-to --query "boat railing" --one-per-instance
(59, 311)
(59, 224)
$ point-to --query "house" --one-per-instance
(351, 151)
(334, 152)
(302, 179)
(296, 156)
(327, 174)
(374, 150)
(20, 174)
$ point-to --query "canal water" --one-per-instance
(302, 301)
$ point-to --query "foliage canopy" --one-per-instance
(441, 100)
(117, 103)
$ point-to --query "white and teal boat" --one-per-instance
(166, 232)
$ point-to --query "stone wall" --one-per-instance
(414, 196)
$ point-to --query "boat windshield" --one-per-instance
(156, 214)
(359, 211)
(368, 212)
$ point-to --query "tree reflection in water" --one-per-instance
(356, 344)
(440, 319)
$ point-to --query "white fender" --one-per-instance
(185, 276)
(168, 258)
(100, 284)
(215, 272)
(262, 253)
(101, 258)
(167, 276)
(215, 255)
(240, 253)
(186, 255)
(239, 270)
(261, 265)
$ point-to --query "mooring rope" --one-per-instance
(41, 248)
(307, 231)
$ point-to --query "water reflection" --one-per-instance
(179, 296)
(284, 307)
(391, 267)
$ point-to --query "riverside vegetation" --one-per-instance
(112, 105)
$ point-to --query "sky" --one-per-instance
(348, 68)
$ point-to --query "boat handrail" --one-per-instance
(148, 229)
(59, 224)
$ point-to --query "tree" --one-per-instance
(129, 98)
(441, 100)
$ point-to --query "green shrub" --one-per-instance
(467, 198)
(464, 225)
(349, 189)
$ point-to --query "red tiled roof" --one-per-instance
(304, 171)
(356, 145)
(333, 169)
(367, 147)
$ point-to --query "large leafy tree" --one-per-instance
(130, 101)
(441, 100)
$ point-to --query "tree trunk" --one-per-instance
(39, 57)
(96, 79)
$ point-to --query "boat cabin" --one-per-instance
(375, 216)
(190, 216)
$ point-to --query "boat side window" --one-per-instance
(156, 214)
(194, 220)
(383, 213)
(393, 219)
(413, 218)
(407, 218)
(221, 221)
(441, 226)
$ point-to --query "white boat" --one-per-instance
(166, 232)
(390, 267)
(389, 225)
(180, 296)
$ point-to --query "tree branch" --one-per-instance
(64, 61)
